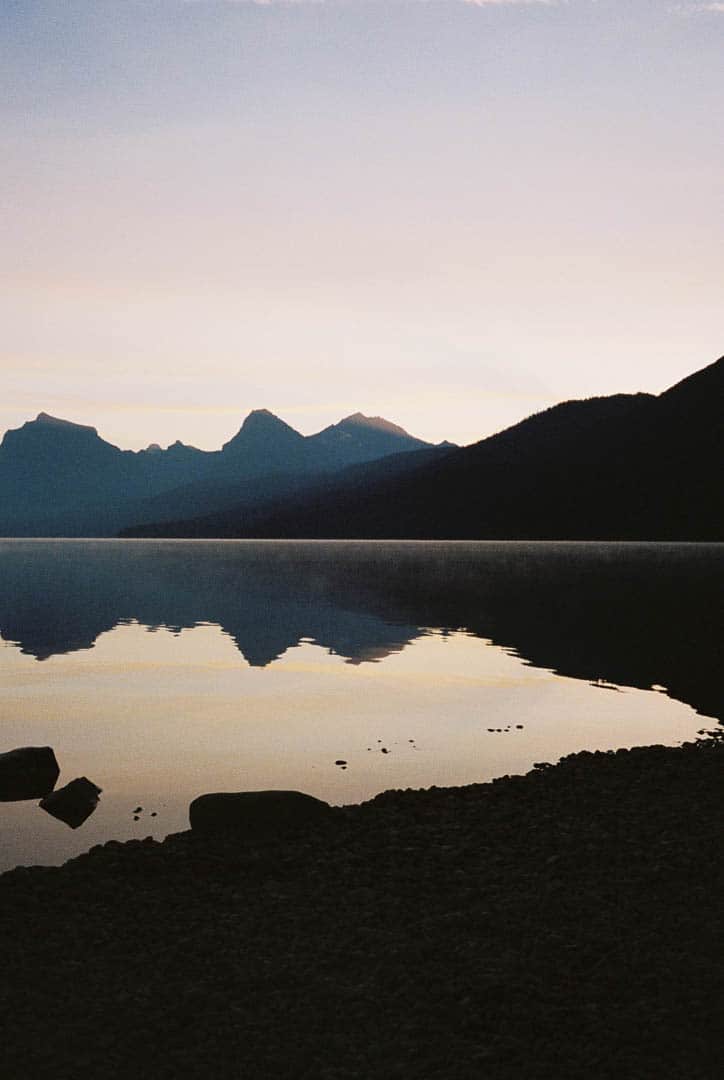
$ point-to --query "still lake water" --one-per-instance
(165, 669)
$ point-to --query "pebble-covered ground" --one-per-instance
(565, 924)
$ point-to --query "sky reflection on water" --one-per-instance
(345, 650)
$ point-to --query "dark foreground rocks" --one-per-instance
(73, 803)
(30, 772)
(257, 815)
(564, 925)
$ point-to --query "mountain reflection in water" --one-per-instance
(639, 615)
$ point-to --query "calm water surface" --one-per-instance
(161, 670)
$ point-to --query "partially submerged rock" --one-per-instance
(73, 803)
(257, 814)
(30, 772)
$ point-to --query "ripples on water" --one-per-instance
(269, 661)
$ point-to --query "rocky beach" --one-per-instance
(566, 923)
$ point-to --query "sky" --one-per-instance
(449, 214)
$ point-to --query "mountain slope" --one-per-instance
(623, 467)
(47, 464)
(264, 442)
(58, 478)
(58, 446)
(359, 438)
(255, 512)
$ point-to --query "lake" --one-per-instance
(164, 669)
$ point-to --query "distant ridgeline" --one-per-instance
(62, 479)
(629, 467)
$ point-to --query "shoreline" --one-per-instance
(558, 924)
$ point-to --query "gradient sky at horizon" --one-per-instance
(449, 214)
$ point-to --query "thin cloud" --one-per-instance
(716, 6)
(350, 3)
(518, 3)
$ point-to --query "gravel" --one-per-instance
(565, 924)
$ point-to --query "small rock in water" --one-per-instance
(73, 803)
(29, 772)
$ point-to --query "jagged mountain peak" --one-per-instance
(358, 438)
(44, 419)
(49, 447)
(48, 433)
(263, 428)
(377, 423)
(264, 418)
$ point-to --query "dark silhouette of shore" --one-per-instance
(563, 924)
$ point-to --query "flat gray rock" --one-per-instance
(257, 814)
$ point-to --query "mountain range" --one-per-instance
(62, 479)
(628, 467)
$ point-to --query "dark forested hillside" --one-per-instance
(622, 467)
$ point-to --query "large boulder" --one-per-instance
(30, 772)
(73, 803)
(258, 815)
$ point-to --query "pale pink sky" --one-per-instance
(450, 215)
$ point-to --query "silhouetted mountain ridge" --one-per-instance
(57, 442)
(629, 466)
(59, 478)
(264, 433)
(256, 508)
